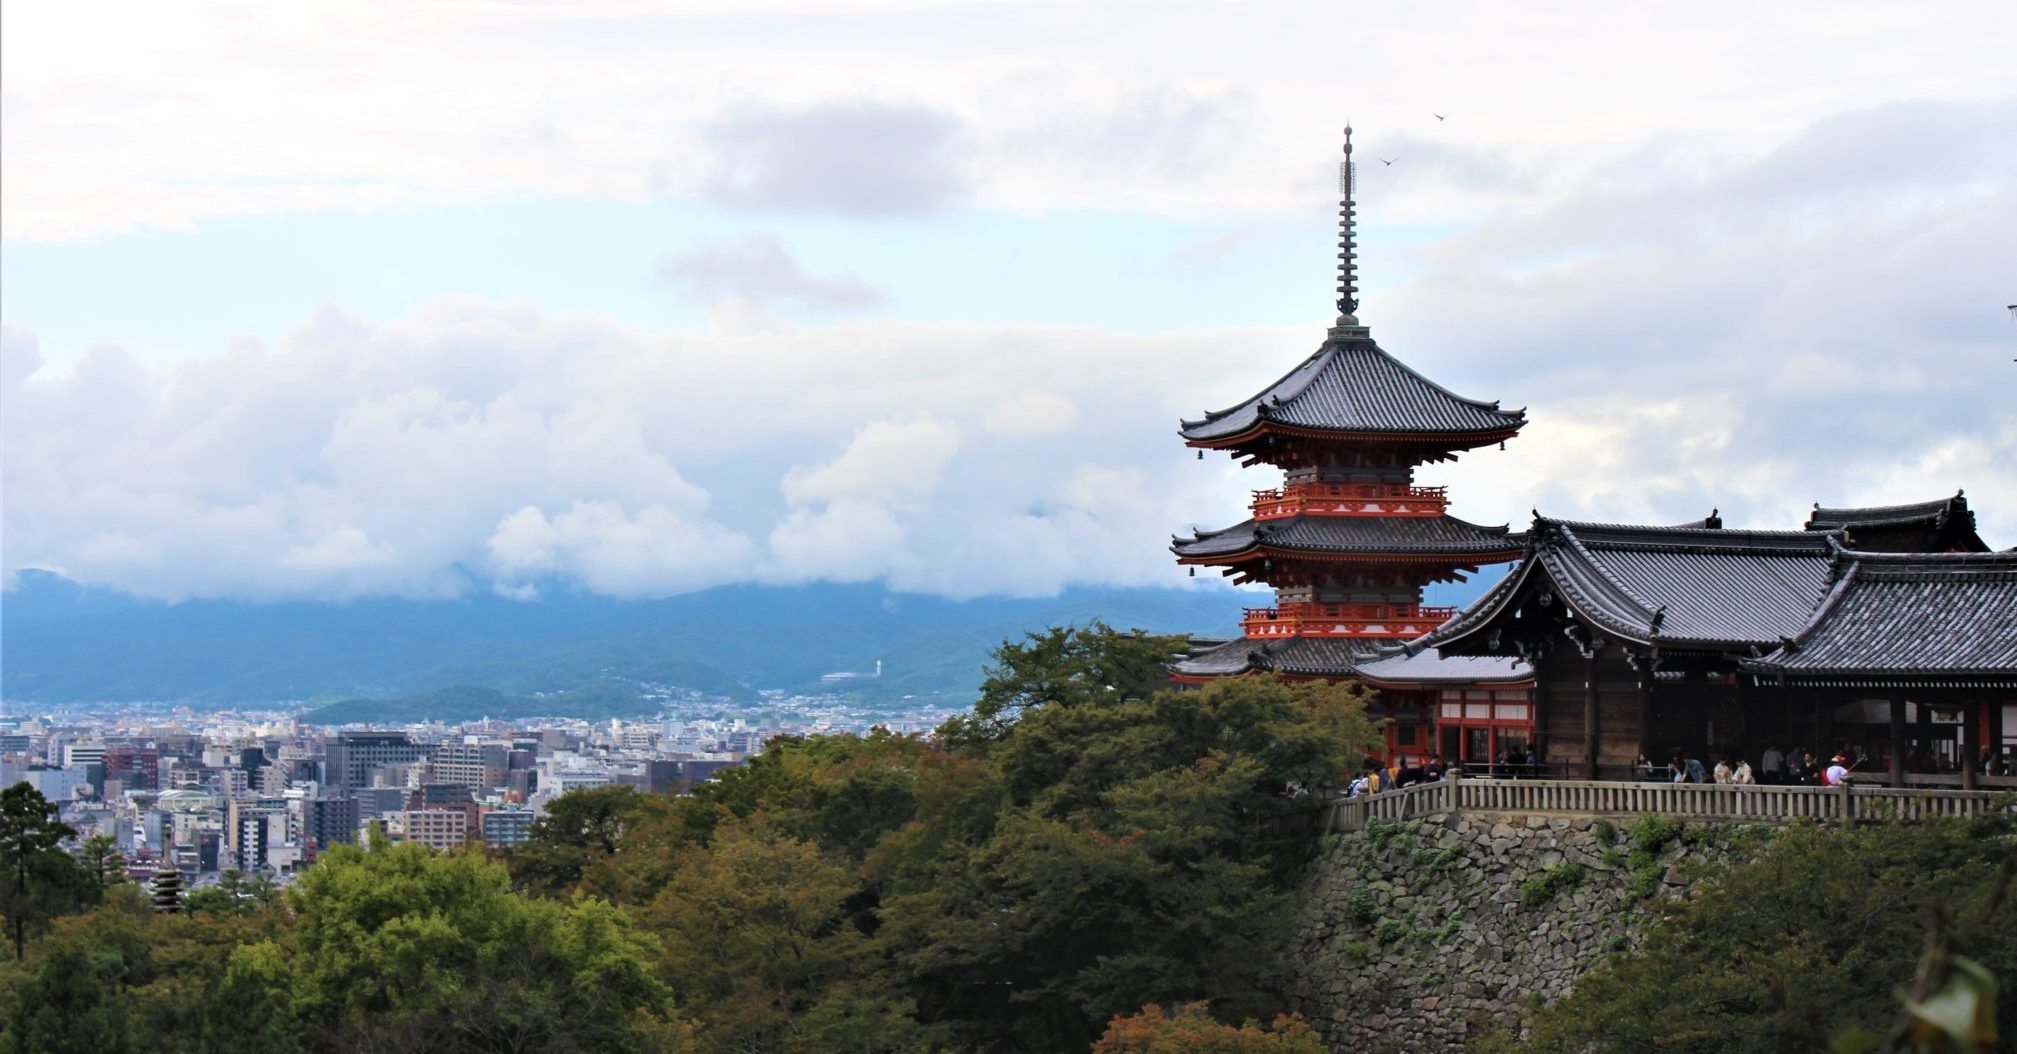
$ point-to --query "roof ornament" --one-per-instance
(1348, 256)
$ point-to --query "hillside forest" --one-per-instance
(1086, 861)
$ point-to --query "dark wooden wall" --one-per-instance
(1564, 703)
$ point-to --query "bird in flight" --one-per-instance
(1387, 161)
(1438, 116)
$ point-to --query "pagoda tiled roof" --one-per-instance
(1899, 618)
(1395, 535)
(1301, 656)
(1352, 386)
(1429, 666)
(1335, 657)
(1685, 587)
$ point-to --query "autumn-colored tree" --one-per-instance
(1191, 1029)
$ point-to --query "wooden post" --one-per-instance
(1590, 717)
(1971, 742)
(1992, 714)
(1824, 721)
(1897, 741)
(1740, 705)
(1646, 698)
(1922, 730)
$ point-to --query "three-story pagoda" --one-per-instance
(1350, 538)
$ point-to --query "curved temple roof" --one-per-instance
(1387, 536)
(1687, 587)
(1949, 617)
(1946, 524)
(1351, 386)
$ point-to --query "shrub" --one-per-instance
(1655, 833)
(1382, 833)
(1545, 885)
(1359, 905)
(1607, 832)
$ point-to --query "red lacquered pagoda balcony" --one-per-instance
(1401, 621)
(1350, 499)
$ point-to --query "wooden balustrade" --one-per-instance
(1405, 621)
(1350, 499)
(1697, 801)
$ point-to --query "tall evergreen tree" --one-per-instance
(38, 880)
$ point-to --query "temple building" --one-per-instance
(1887, 635)
(1349, 539)
(1717, 643)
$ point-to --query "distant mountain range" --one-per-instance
(573, 653)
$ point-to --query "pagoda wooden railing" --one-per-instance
(1405, 621)
(1747, 804)
(1350, 499)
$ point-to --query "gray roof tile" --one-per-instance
(1945, 525)
(1400, 535)
(1947, 616)
(1681, 586)
(1333, 657)
(1350, 385)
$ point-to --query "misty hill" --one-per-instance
(66, 643)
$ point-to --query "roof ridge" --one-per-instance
(2005, 557)
(1704, 532)
(1828, 603)
(1609, 580)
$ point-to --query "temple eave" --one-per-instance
(1439, 441)
(1464, 561)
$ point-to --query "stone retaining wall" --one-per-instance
(1419, 936)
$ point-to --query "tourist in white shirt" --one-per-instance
(1773, 765)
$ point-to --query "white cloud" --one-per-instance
(130, 116)
(1741, 275)
(486, 446)
(756, 269)
(655, 552)
(1033, 414)
(856, 157)
(886, 461)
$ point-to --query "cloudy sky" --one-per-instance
(327, 300)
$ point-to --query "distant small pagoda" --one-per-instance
(1350, 539)
(164, 890)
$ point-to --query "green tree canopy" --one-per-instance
(578, 835)
(1813, 939)
(432, 952)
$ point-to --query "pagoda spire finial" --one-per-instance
(1348, 256)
